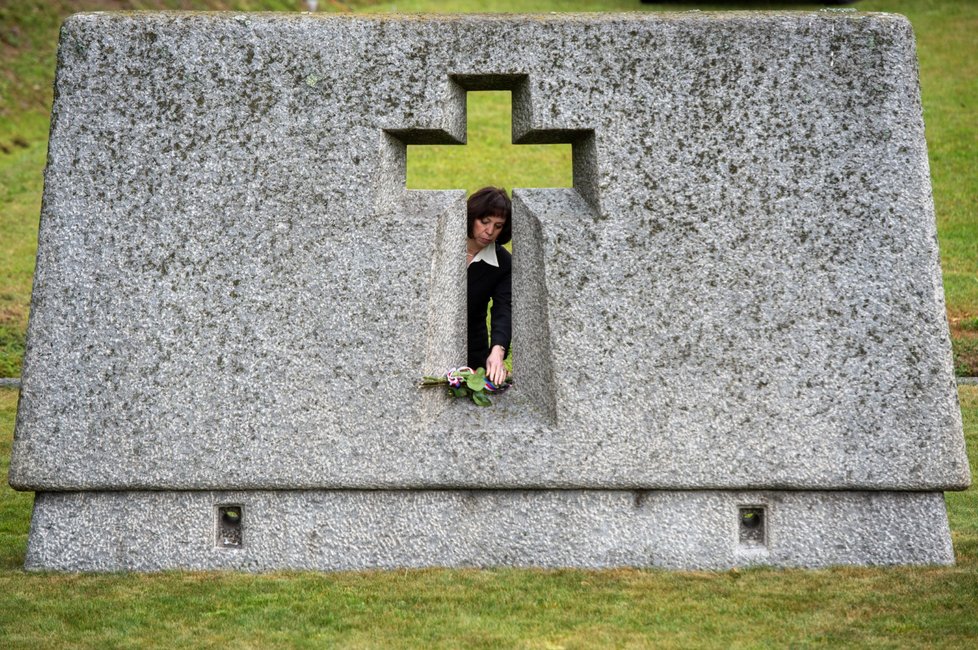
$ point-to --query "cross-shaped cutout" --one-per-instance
(557, 154)
(489, 156)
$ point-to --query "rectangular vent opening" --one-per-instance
(752, 526)
(229, 526)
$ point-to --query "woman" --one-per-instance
(490, 276)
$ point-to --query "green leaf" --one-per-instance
(481, 399)
(476, 383)
(461, 391)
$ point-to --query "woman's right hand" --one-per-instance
(495, 368)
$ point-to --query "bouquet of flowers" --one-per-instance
(465, 382)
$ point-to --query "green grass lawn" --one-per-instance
(906, 607)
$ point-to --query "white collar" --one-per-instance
(487, 255)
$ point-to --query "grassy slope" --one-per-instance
(892, 607)
(949, 66)
(948, 51)
(28, 39)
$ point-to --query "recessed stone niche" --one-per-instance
(230, 526)
(752, 528)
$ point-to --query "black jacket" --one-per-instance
(485, 282)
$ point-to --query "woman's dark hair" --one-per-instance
(491, 202)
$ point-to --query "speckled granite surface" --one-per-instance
(353, 529)
(234, 291)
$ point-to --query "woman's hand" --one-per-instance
(495, 368)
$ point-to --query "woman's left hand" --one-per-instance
(495, 368)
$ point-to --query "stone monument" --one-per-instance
(730, 338)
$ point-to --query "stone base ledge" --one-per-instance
(354, 530)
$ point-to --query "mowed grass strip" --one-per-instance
(504, 608)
